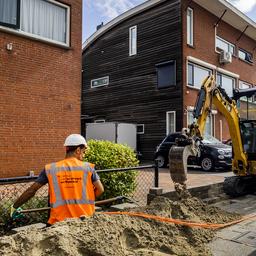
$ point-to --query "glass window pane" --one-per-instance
(166, 74)
(208, 126)
(190, 75)
(199, 75)
(190, 26)
(228, 84)
(8, 11)
(190, 117)
(133, 41)
(171, 122)
(222, 45)
(44, 19)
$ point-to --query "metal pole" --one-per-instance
(156, 174)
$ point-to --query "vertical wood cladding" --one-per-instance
(132, 95)
(40, 90)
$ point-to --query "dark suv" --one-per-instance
(213, 153)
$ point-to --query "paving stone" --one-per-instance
(221, 247)
(229, 234)
(247, 238)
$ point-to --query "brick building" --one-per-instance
(40, 81)
(147, 65)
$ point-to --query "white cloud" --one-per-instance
(112, 8)
(244, 5)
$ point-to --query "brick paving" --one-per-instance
(196, 178)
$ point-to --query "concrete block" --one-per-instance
(122, 207)
(34, 226)
(156, 191)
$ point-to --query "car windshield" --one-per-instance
(208, 139)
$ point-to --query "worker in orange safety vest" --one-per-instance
(73, 184)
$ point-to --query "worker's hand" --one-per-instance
(15, 213)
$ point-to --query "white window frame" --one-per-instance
(248, 85)
(131, 42)
(240, 50)
(199, 66)
(99, 121)
(143, 127)
(190, 109)
(190, 26)
(228, 76)
(40, 38)
(168, 121)
(104, 84)
(227, 42)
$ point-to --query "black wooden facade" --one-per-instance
(132, 95)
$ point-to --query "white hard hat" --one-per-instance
(75, 140)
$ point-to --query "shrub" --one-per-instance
(109, 155)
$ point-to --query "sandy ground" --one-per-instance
(121, 235)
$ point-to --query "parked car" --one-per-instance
(214, 154)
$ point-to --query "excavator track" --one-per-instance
(239, 186)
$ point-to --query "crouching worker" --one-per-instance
(73, 184)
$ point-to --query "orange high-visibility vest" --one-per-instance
(71, 191)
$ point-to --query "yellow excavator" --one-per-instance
(242, 133)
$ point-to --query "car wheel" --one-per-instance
(207, 164)
(161, 161)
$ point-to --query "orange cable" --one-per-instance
(180, 222)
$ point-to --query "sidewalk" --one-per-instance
(239, 239)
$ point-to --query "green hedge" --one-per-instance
(109, 155)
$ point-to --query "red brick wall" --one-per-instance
(204, 49)
(40, 89)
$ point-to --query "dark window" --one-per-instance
(10, 13)
(166, 74)
(171, 138)
(140, 128)
(244, 55)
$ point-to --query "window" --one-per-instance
(166, 74)
(133, 41)
(244, 85)
(100, 82)
(48, 20)
(224, 45)
(170, 122)
(9, 13)
(197, 74)
(140, 128)
(99, 121)
(190, 27)
(244, 55)
(208, 130)
(227, 83)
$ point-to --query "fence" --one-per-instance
(12, 188)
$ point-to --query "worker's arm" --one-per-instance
(98, 188)
(30, 192)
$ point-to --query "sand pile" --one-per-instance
(123, 235)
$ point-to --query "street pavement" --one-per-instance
(196, 178)
(238, 239)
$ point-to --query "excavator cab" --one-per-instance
(248, 134)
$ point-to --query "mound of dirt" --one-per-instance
(123, 235)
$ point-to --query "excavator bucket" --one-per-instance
(178, 157)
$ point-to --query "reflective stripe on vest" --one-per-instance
(59, 201)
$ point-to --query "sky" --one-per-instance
(97, 11)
